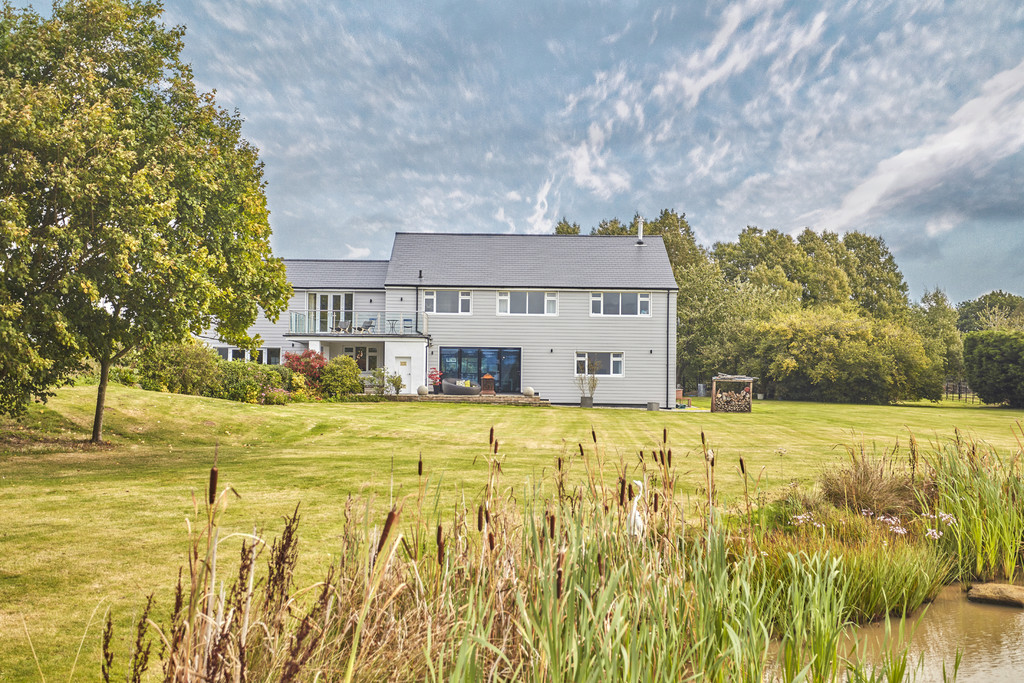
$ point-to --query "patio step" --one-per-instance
(500, 399)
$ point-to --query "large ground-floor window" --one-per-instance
(473, 362)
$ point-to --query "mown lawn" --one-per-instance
(84, 527)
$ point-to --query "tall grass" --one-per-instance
(523, 586)
(977, 506)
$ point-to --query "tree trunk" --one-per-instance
(101, 397)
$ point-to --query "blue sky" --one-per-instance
(903, 119)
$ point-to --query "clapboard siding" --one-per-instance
(549, 345)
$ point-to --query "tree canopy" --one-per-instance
(990, 311)
(132, 212)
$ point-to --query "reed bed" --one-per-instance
(976, 510)
(604, 579)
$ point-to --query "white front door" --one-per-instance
(405, 370)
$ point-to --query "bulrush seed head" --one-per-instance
(419, 466)
(558, 574)
(388, 523)
(743, 467)
(480, 518)
(593, 434)
(670, 457)
(212, 493)
(490, 439)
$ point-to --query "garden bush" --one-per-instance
(340, 377)
(286, 375)
(187, 368)
(247, 382)
(384, 383)
(309, 364)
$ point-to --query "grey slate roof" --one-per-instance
(340, 274)
(556, 261)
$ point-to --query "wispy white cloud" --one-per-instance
(986, 129)
(357, 252)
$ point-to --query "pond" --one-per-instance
(991, 638)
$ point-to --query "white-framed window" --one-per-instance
(620, 303)
(268, 356)
(329, 311)
(366, 357)
(447, 301)
(601, 363)
(527, 303)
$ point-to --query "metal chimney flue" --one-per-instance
(640, 232)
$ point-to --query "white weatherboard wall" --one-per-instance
(549, 345)
(412, 349)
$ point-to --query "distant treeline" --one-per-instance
(819, 316)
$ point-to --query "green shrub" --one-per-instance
(384, 383)
(247, 382)
(994, 360)
(286, 375)
(340, 377)
(188, 368)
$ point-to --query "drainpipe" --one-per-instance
(670, 371)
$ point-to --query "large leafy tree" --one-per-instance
(995, 365)
(132, 211)
(991, 311)
(935, 319)
(836, 354)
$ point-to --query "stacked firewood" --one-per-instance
(732, 402)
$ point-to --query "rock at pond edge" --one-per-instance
(997, 594)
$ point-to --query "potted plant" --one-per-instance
(587, 384)
(435, 379)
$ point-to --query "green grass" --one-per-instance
(83, 526)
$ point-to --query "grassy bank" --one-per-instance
(83, 526)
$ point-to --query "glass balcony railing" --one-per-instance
(352, 322)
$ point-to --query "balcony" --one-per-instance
(354, 323)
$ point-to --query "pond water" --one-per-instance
(991, 638)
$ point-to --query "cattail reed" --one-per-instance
(593, 434)
(661, 454)
(600, 565)
(480, 518)
(490, 440)
(581, 450)
(440, 547)
(558, 574)
(212, 494)
(551, 525)
(630, 491)
(559, 464)
(743, 467)
(655, 502)
(670, 457)
(495, 446)
(388, 523)
(622, 491)
(490, 540)
(487, 515)
(419, 466)
(664, 434)
(641, 456)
